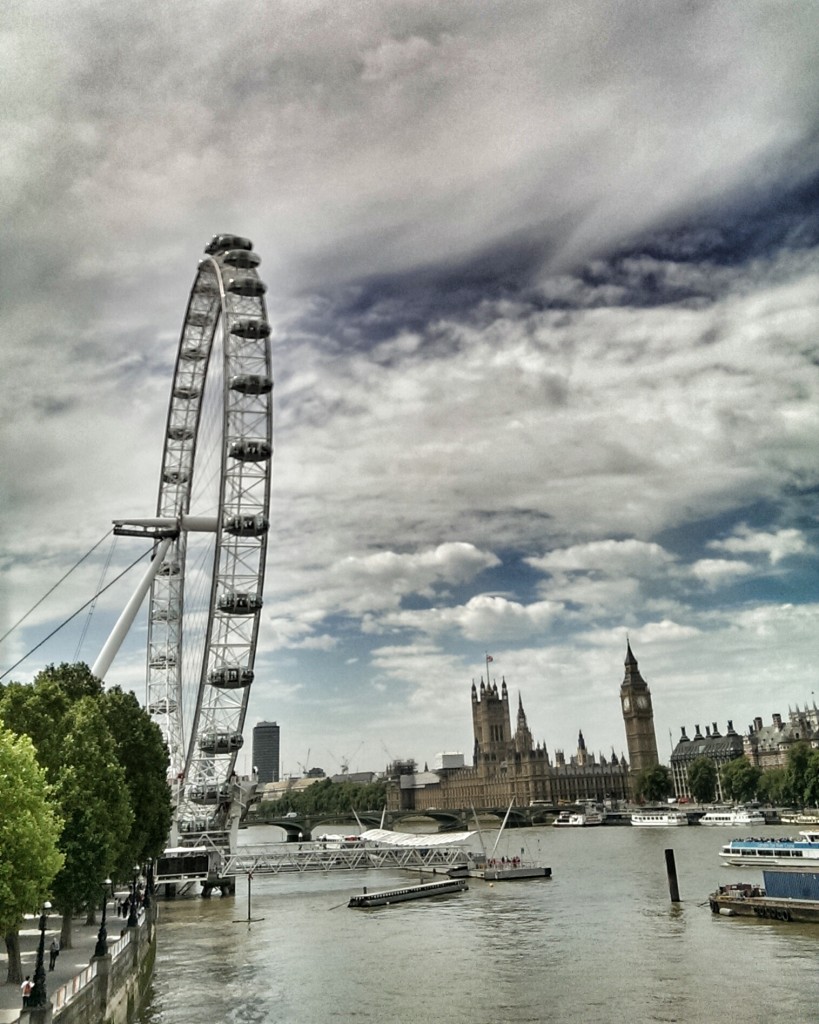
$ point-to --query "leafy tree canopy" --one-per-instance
(93, 797)
(327, 797)
(29, 831)
(654, 784)
(740, 780)
(797, 786)
(107, 764)
(143, 755)
(810, 787)
(702, 780)
(772, 786)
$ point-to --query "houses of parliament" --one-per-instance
(509, 766)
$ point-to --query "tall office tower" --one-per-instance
(266, 751)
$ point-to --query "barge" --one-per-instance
(410, 892)
(744, 900)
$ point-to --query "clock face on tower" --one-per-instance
(626, 703)
(642, 701)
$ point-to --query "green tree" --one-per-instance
(328, 797)
(702, 780)
(740, 780)
(811, 787)
(654, 784)
(29, 830)
(773, 786)
(62, 713)
(93, 798)
(143, 754)
(796, 772)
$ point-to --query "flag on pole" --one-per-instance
(489, 658)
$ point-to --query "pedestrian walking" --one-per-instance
(26, 988)
(53, 953)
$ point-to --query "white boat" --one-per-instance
(800, 854)
(589, 816)
(793, 818)
(658, 817)
(736, 816)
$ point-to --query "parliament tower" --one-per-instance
(638, 716)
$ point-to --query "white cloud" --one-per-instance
(472, 445)
(608, 557)
(777, 546)
(716, 571)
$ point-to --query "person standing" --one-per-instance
(26, 988)
(53, 953)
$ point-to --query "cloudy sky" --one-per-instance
(544, 285)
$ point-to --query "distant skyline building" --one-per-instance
(509, 766)
(266, 751)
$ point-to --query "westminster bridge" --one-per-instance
(305, 827)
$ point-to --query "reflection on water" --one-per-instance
(598, 942)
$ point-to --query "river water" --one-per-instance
(598, 942)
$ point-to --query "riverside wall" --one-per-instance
(112, 989)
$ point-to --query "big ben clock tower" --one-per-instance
(638, 717)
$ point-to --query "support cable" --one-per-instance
(77, 612)
(91, 610)
(48, 593)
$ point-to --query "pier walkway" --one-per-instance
(319, 856)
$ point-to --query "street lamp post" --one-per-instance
(133, 920)
(149, 885)
(38, 995)
(101, 948)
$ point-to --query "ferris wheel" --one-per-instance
(211, 529)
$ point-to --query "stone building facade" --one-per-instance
(718, 747)
(510, 766)
(767, 746)
(638, 717)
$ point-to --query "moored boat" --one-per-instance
(800, 854)
(658, 817)
(786, 896)
(736, 816)
(590, 815)
(793, 818)
(512, 874)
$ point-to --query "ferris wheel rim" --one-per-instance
(226, 310)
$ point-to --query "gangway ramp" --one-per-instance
(384, 850)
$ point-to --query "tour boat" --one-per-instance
(734, 816)
(658, 817)
(790, 872)
(800, 854)
(798, 818)
(590, 815)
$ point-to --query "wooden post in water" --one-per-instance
(671, 871)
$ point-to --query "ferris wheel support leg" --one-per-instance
(125, 621)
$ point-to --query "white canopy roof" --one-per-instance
(386, 838)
